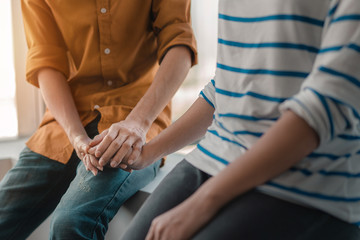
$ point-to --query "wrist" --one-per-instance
(210, 198)
(150, 153)
(75, 136)
(142, 122)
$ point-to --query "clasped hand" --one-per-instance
(116, 145)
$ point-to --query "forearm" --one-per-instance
(171, 74)
(187, 129)
(59, 100)
(286, 143)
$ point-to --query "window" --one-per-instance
(204, 22)
(21, 105)
(8, 116)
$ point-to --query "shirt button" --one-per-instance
(109, 83)
(96, 106)
(103, 10)
(107, 50)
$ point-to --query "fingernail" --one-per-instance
(97, 153)
(130, 162)
(113, 164)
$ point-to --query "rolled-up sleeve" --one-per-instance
(329, 97)
(208, 93)
(172, 26)
(46, 47)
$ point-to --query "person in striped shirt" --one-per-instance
(280, 156)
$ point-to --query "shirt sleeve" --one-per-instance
(329, 97)
(172, 26)
(208, 93)
(46, 47)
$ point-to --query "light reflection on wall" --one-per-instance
(8, 118)
(204, 21)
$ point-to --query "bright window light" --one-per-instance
(8, 116)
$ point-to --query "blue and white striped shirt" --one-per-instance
(302, 55)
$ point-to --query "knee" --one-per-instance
(70, 225)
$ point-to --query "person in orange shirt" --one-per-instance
(108, 67)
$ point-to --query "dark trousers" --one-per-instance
(251, 216)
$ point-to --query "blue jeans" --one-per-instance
(83, 204)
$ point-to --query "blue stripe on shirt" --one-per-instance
(307, 172)
(349, 137)
(312, 194)
(206, 99)
(251, 94)
(328, 155)
(245, 117)
(263, 71)
(356, 114)
(327, 109)
(226, 139)
(347, 77)
(350, 17)
(278, 17)
(269, 45)
(331, 49)
(208, 153)
(354, 47)
(256, 134)
(333, 10)
(240, 132)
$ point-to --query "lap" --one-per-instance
(178, 185)
(256, 216)
(91, 201)
(253, 215)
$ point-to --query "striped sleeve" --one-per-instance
(208, 93)
(329, 97)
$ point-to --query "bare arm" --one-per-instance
(59, 100)
(127, 137)
(286, 143)
(187, 129)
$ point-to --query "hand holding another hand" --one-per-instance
(118, 144)
(81, 146)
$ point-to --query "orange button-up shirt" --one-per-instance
(108, 50)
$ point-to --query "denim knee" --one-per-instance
(72, 225)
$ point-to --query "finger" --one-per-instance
(112, 150)
(136, 151)
(98, 138)
(84, 160)
(84, 148)
(93, 169)
(89, 166)
(95, 162)
(111, 135)
(150, 235)
(106, 142)
(121, 153)
(157, 232)
(92, 150)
